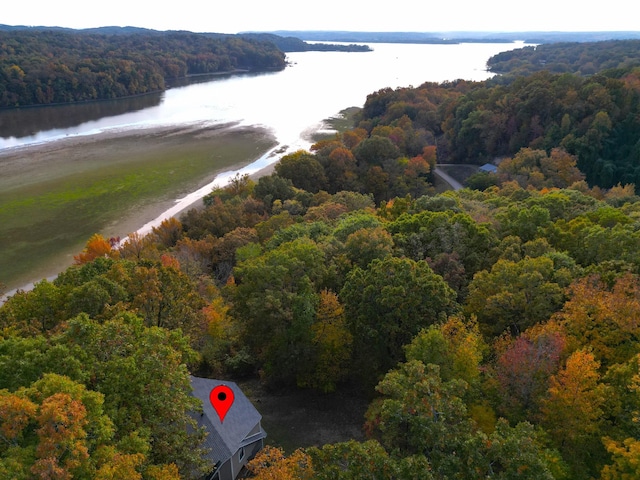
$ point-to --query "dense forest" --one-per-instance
(594, 118)
(584, 58)
(497, 327)
(44, 67)
(494, 329)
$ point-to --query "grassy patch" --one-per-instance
(342, 122)
(55, 215)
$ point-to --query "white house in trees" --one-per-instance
(235, 441)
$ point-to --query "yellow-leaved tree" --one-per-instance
(272, 464)
(572, 413)
(331, 343)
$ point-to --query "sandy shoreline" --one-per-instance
(29, 164)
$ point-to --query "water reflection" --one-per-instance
(208, 77)
(27, 122)
(21, 123)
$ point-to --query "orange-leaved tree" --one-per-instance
(97, 246)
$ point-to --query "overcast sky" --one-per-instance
(234, 16)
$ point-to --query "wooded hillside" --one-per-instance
(45, 67)
(585, 58)
(594, 118)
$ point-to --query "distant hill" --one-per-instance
(455, 37)
(375, 37)
(99, 30)
(294, 44)
(283, 43)
(555, 37)
(296, 40)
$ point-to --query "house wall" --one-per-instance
(223, 473)
(249, 452)
(253, 449)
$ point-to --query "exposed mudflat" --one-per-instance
(28, 171)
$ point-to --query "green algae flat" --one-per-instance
(53, 197)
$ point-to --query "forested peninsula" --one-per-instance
(584, 58)
(294, 44)
(493, 330)
(44, 67)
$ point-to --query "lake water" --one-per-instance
(316, 86)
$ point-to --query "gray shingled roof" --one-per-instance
(225, 438)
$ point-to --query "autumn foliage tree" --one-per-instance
(536, 168)
(524, 366)
(102, 391)
(55, 428)
(626, 459)
(604, 318)
(421, 415)
(331, 349)
(97, 246)
(572, 411)
(455, 345)
(272, 464)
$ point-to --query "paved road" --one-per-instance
(447, 178)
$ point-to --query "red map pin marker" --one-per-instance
(221, 398)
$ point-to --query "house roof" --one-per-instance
(225, 438)
(488, 167)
